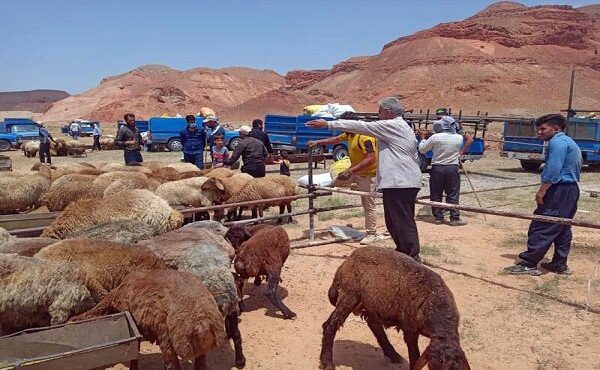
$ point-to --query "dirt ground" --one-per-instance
(507, 322)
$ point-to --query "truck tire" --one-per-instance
(234, 142)
(4, 145)
(424, 162)
(530, 165)
(340, 152)
(175, 145)
(317, 150)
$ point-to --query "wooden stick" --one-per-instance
(472, 188)
(315, 243)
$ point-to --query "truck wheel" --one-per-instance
(530, 165)
(4, 145)
(339, 152)
(424, 162)
(174, 145)
(316, 150)
(234, 142)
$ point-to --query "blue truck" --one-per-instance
(86, 127)
(522, 143)
(164, 132)
(291, 133)
(16, 131)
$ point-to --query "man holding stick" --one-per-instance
(398, 173)
(557, 197)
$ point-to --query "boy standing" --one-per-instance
(219, 152)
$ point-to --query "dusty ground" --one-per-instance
(507, 322)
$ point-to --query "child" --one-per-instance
(284, 164)
(219, 152)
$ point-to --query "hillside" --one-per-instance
(37, 101)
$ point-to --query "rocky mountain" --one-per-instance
(506, 59)
(37, 101)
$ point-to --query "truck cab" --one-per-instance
(521, 141)
(17, 131)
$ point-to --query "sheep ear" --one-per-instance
(422, 361)
(220, 185)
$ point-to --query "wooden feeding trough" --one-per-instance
(87, 344)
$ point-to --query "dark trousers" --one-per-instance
(45, 153)
(444, 179)
(254, 170)
(399, 209)
(75, 135)
(195, 158)
(96, 144)
(560, 201)
(132, 157)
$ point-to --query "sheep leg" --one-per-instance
(281, 211)
(344, 306)
(384, 342)
(234, 333)
(239, 283)
(272, 284)
(200, 363)
(289, 209)
(412, 342)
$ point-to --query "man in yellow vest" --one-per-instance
(363, 160)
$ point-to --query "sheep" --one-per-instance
(105, 261)
(107, 142)
(26, 246)
(183, 167)
(35, 292)
(187, 192)
(124, 231)
(290, 188)
(212, 226)
(108, 178)
(220, 173)
(171, 308)
(130, 183)
(206, 259)
(237, 234)
(255, 189)
(62, 193)
(31, 148)
(75, 147)
(59, 170)
(224, 188)
(73, 177)
(388, 288)
(112, 167)
(264, 255)
(23, 191)
(138, 204)
(58, 148)
(182, 238)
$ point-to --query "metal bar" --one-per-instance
(548, 219)
(248, 203)
(315, 243)
(267, 218)
(488, 190)
(311, 189)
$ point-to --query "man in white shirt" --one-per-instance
(446, 145)
(75, 128)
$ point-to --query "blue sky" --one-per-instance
(72, 45)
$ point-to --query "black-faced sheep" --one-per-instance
(388, 289)
(35, 292)
(124, 231)
(205, 258)
(105, 261)
(264, 254)
(25, 246)
(23, 191)
(171, 308)
(31, 148)
(139, 204)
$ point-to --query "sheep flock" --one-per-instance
(119, 243)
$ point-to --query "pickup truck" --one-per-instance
(164, 132)
(86, 127)
(16, 131)
(522, 143)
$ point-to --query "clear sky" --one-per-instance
(72, 44)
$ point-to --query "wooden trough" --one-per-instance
(87, 344)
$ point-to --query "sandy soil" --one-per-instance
(507, 322)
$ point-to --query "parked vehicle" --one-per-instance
(142, 125)
(17, 131)
(86, 127)
(292, 134)
(164, 132)
(521, 141)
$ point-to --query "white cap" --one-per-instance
(245, 130)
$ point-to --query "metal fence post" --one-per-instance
(311, 189)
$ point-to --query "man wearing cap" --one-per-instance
(253, 153)
(446, 145)
(193, 141)
(212, 122)
(457, 127)
(398, 173)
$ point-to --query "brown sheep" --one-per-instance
(25, 246)
(105, 261)
(58, 148)
(62, 193)
(264, 255)
(171, 308)
(390, 289)
(220, 173)
(237, 234)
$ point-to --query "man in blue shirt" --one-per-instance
(557, 197)
(96, 134)
(193, 140)
(45, 139)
